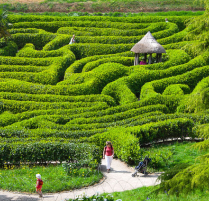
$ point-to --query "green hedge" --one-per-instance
(179, 20)
(38, 39)
(57, 98)
(191, 78)
(126, 61)
(44, 151)
(134, 82)
(10, 49)
(22, 106)
(154, 131)
(78, 65)
(126, 150)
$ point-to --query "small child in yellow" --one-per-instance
(39, 184)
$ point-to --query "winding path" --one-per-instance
(119, 179)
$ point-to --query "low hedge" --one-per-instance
(154, 131)
(7, 118)
(93, 31)
(176, 89)
(38, 39)
(45, 151)
(126, 150)
(57, 98)
(197, 100)
(179, 20)
(126, 61)
(86, 50)
(78, 65)
(134, 82)
(10, 49)
(22, 68)
(119, 116)
(191, 78)
(22, 106)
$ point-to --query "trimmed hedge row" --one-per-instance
(10, 49)
(21, 68)
(22, 106)
(44, 151)
(38, 39)
(21, 129)
(179, 20)
(78, 65)
(8, 118)
(57, 98)
(176, 89)
(128, 150)
(171, 128)
(72, 123)
(191, 78)
(55, 25)
(86, 50)
(92, 31)
(51, 75)
(136, 80)
(126, 61)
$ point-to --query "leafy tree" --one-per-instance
(4, 25)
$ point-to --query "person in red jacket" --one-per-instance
(108, 154)
(39, 184)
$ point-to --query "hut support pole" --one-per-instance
(160, 57)
(157, 57)
(136, 61)
(150, 58)
(145, 57)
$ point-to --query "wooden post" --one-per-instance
(136, 60)
(157, 57)
(160, 57)
(150, 58)
(145, 57)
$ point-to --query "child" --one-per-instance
(39, 184)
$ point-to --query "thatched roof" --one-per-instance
(148, 44)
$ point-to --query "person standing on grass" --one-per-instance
(108, 154)
(39, 184)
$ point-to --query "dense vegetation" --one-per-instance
(61, 102)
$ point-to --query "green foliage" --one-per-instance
(44, 151)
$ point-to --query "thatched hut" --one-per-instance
(148, 45)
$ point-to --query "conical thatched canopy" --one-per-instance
(149, 45)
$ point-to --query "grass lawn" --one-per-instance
(55, 179)
(147, 193)
(167, 156)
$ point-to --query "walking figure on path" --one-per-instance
(39, 184)
(108, 154)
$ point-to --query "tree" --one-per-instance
(4, 25)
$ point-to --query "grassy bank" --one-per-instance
(101, 6)
(55, 179)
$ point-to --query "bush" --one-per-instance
(44, 151)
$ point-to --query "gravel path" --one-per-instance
(119, 179)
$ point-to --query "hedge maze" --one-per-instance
(61, 102)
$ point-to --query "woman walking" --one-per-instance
(108, 154)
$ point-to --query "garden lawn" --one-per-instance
(54, 177)
(147, 193)
(167, 156)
